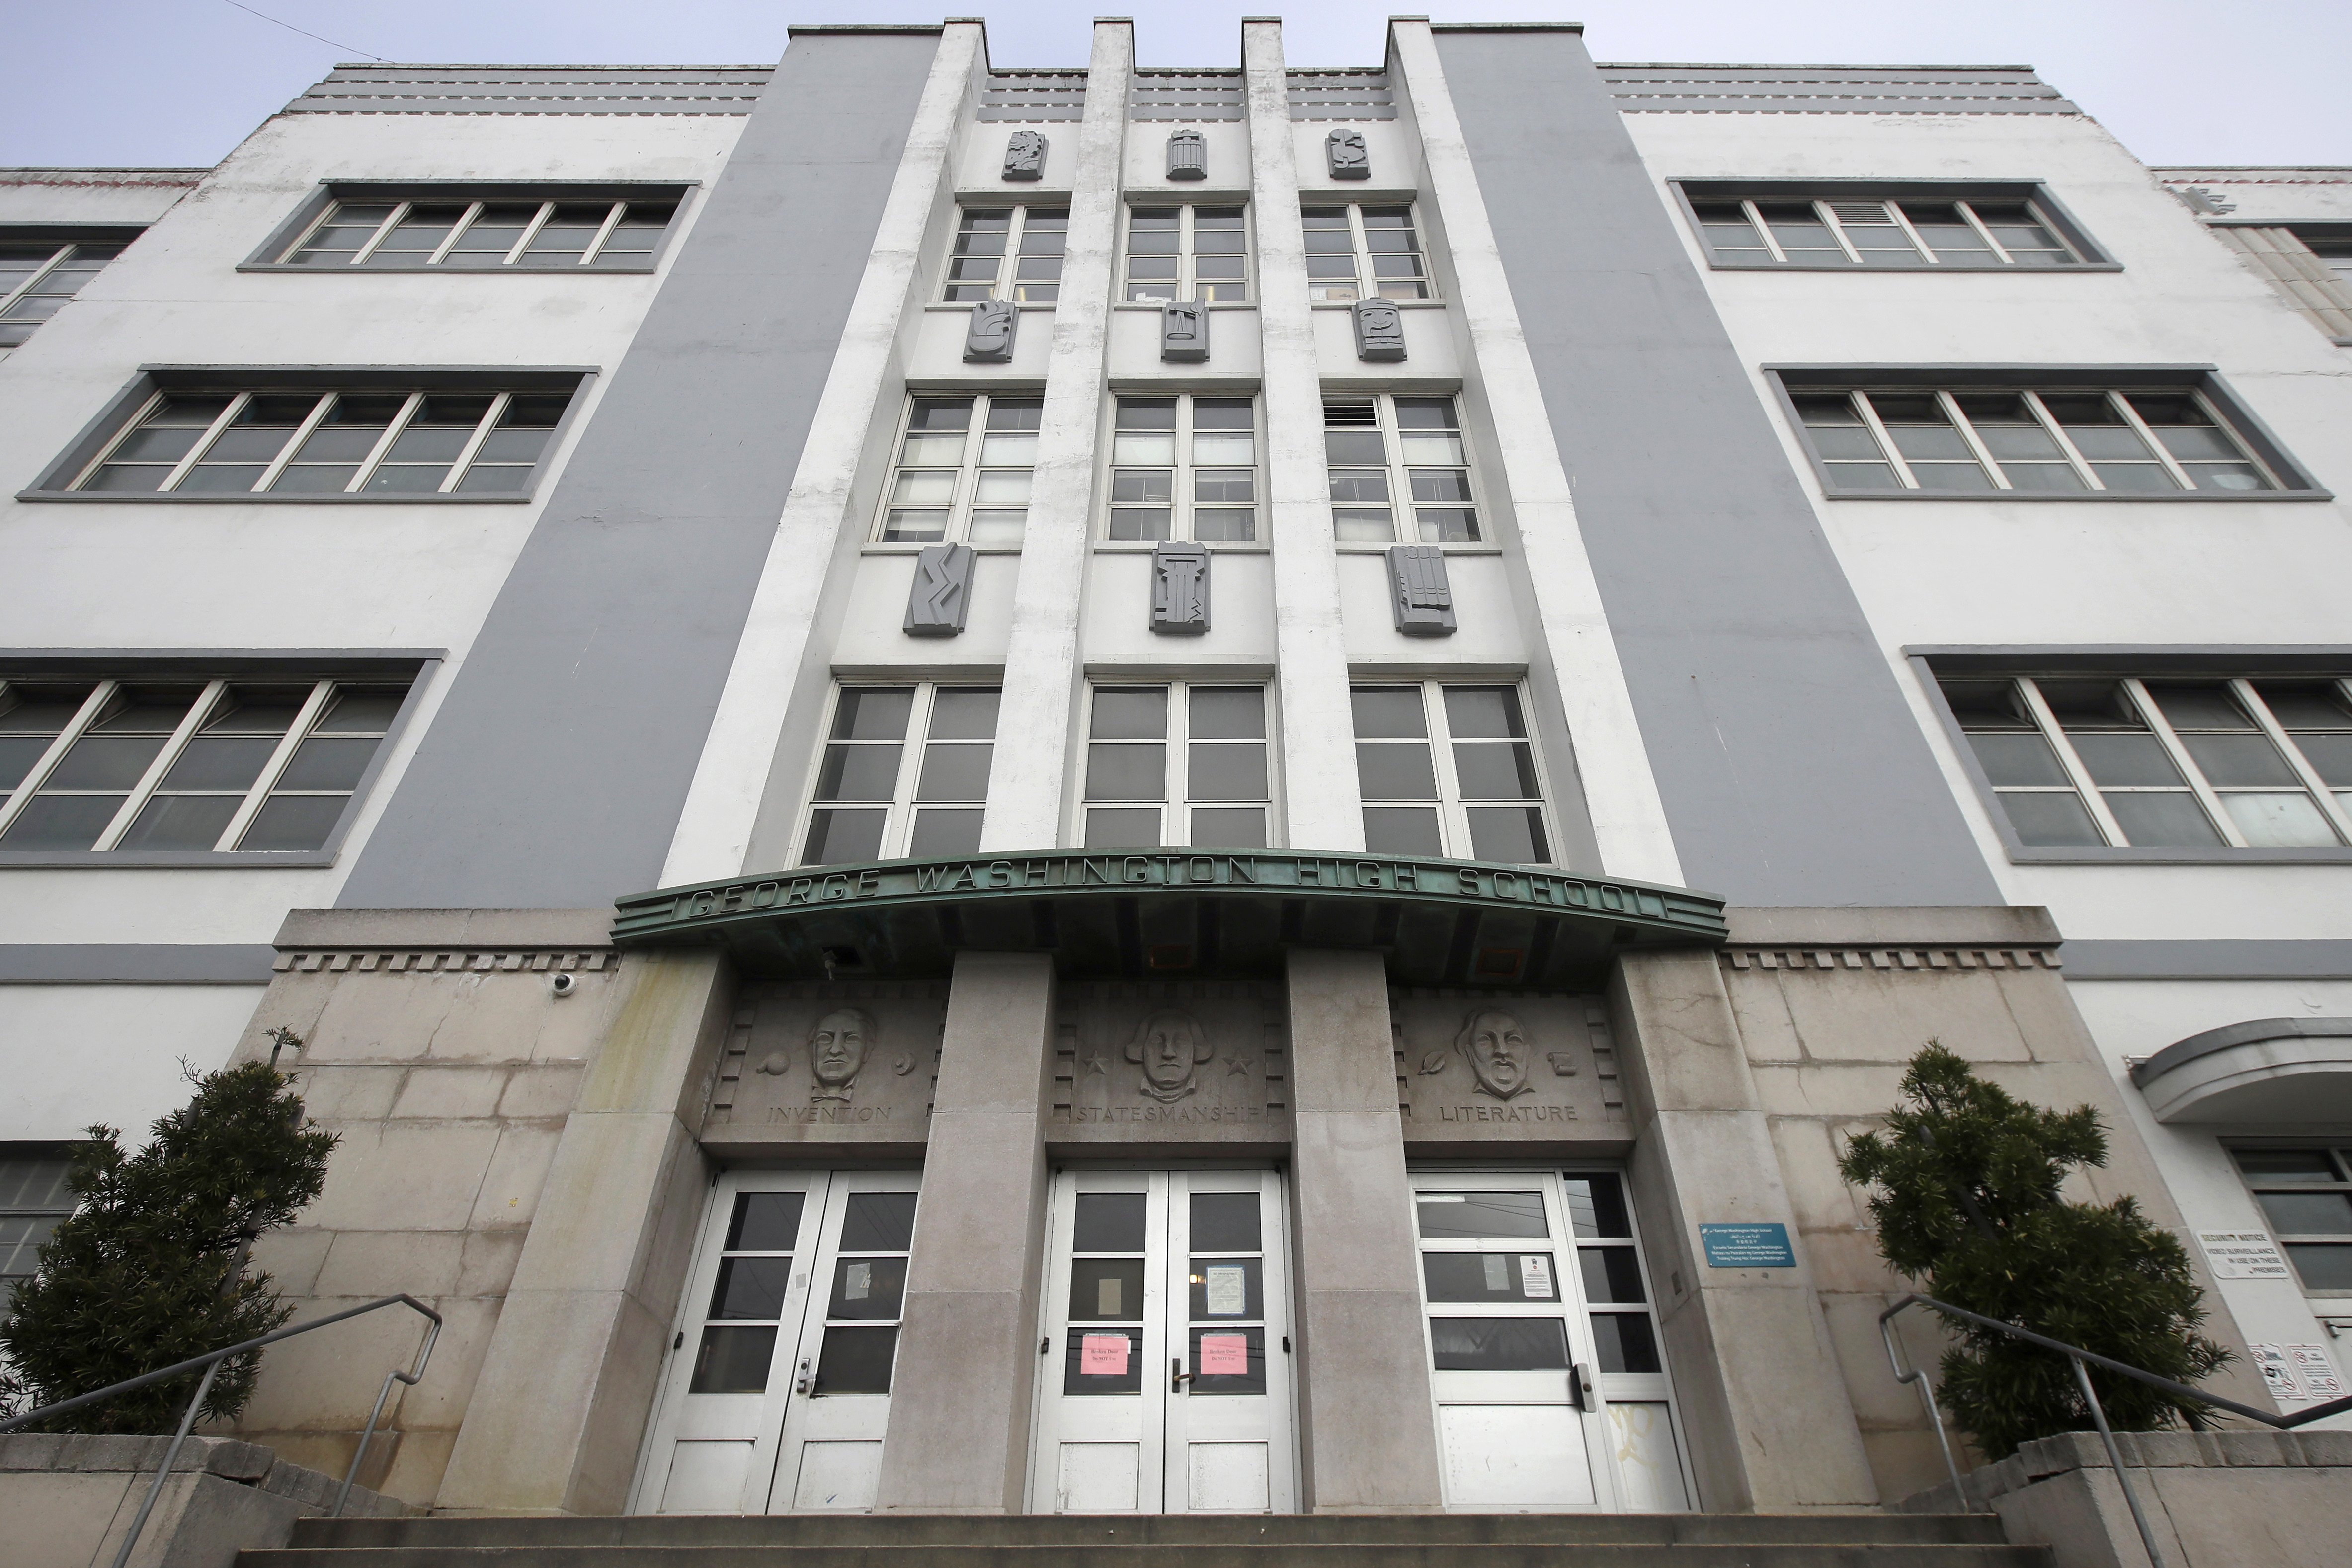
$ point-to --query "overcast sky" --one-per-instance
(177, 83)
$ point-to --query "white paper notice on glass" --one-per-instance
(857, 1281)
(2242, 1255)
(1498, 1271)
(2311, 1366)
(1102, 1355)
(1106, 1295)
(1224, 1355)
(1535, 1272)
(1227, 1289)
(2277, 1372)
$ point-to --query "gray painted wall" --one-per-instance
(1791, 769)
(554, 773)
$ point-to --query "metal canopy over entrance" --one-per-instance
(1171, 912)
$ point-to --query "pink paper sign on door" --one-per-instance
(1224, 1355)
(1102, 1355)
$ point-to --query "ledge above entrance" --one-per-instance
(1174, 914)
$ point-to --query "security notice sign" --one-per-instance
(2242, 1255)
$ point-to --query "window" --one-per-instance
(904, 772)
(1033, 239)
(1384, 451)
(33, 1198)
(1188, 253)
(2029, 441)
(531, 234)
(1183, 467)
(310, 443)
(1363, 252)
(139, 766)
(2162, 763)
(36, 280)
(2307, 1197)
(963, 470)
(1177, 765)
(1449, 771)
(2005, 227)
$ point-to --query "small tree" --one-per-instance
(149, 1269)
(1969, 1208)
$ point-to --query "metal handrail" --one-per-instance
(211, 1362)
(2076, 1356)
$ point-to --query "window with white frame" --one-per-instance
(38, 279)
(311, 443)
(1449, 770)
(904, 771)
(1008, 253)
(2164, 762)
(963, 470)
(1176, 764)
(1188, 253)
(1363, 252)
(33, 1198)
(1183, 467)
(482, 235)
(2028, 440)
(142, 765)
(1399, 469)
(2306, 1194)
(2012, 231)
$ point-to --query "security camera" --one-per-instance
(563, 985)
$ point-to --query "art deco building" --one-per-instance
(998, 790)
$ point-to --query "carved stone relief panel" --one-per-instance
(1347, 156)
(940, 594)
(1196, 1061)
(1188, 154)
(1179, 588)
(987, 338)
(1024, 156)
(840, 1062)
(1185, 331)
(1380, 330)
(1420, 593)
(1483, 1065)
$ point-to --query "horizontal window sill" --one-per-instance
(1213, 546)
(1399, 304)
(2029, 855)
(965, 306)
(1205, 304)
(248, 498)
(1451, 547)
(2007, 269)
(634, 270)
(158, 859)
(2076, 497)
(912, 547)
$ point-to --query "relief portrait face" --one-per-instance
(1379, 317)
(837, 1045)
(1497, 1047)
(1168, 1048)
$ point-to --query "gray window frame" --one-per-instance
(2339, 1149)
(61, 238)
(2090, 257)
(270, 255)
(1788, 382)
(36, 1154)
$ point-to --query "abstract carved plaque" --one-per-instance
(1188, 154)
(1380, 330)
(1024, 156)
(988, 340)
(1170, 1047)
(1419, 594)
(1179, 588)
(1185, 331)
(941, 592)
(1503, 1066)
(1348, 158)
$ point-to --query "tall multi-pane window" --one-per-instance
(478, 234)
(139, 765)
(1399, 469)
(329, 443)
(963, 470)
(33, 1198)
(1796, 233)
(1183, 467)
(35, 280)
(1363, 253)
(1008, 253)
(1451, 771)
(1179, 764)
(1188, 253)
(2069, 441)
(2164, 762)
(904, 771)
(2305, 1195)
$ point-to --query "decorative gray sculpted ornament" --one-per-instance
(1170, 1047)
(988, 340)
(838, 1046)
(1185, 331)
(1496, 1046)
(1419, 592)
(1380, 330)
(1349, 160)
(1179, 588)
(1024, 156)
(1188, 154)
(942, 591)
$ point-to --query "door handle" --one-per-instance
(1581, 1390)
(802, 1386)
(1177, 1376)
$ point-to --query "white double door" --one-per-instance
(1164, 1381)
(776, 1389)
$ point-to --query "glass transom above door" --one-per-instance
(1164, 1378)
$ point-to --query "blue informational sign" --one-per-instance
(1747, 1246)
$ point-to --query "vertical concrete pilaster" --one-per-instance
(1367, 1439)
(1041, 662)
(1322, 808)
(560, 1404)
(1765, 1412)
(958, 1440)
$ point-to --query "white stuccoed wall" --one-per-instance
(73, 1054)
